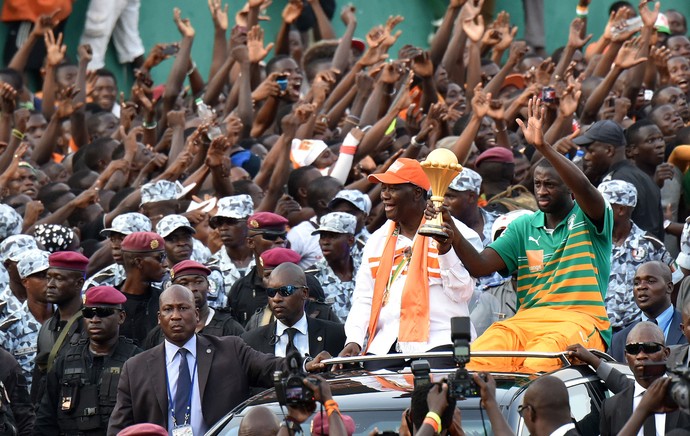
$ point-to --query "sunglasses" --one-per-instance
(101, 312)
(521, 408)
(273, 236)
(284, 291)
(647, 347)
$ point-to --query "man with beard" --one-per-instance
(562, 257)
(65, 279)
(195, 277)
(80, 390)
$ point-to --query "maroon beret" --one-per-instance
(267, 222)
(187, 268)
(143, 242)
(68, 260)
(144, 429)
(495, 154)
(320, 421)
(275, 256)
(103, 295)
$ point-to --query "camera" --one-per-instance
(420, 372)
(461, 385)
(290, 388)
(679, 391)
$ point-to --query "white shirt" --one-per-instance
(448, 296)
(306, 244)
(172, 367)
(659, 418)
(301, 338)
(560, 431)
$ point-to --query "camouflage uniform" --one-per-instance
(11, 249)
(112, 275)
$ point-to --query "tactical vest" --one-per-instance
(84, 407)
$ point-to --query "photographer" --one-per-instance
(655, 401)
(299, 414)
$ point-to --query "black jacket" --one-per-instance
(222, 324)
(21, 411)
(323, 336)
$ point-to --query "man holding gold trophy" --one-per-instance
(411, 282)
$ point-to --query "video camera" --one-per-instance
(289, 385)
(460, 384)
(679, 391)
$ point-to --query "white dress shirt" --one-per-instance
(448, 296)
(306, 244)
(560, 431)
(172, 366)
(301, 337)
(659, 418)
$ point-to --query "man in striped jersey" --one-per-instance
(562, 257)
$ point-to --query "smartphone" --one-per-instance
(548, 94)
(170, 50)
(282, 82)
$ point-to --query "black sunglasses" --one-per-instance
(647, 347)
(284, 291)
(273, 236)
(101, 312)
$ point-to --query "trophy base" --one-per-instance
(432, 230)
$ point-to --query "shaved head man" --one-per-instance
(259, 421)
(546, 409)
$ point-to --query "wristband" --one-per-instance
(331, 406)
(413, 141)
(17, 134)
(581, 11)
(435, 417)
(433, 425)
(350, 144)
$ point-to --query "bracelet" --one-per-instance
(149, 126)
(435, 417)
(191, 70)
(433, 425)
(581, 11)
(17, 134)
(413, 141)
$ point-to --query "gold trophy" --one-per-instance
(441, 167)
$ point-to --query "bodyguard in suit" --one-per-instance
(546, 408)
(644, 344)
(679, 353)
(190, 381)
(652, 289)
(292, 328)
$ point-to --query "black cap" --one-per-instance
(605, 131)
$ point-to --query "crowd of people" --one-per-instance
(166, 248)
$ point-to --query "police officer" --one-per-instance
(82, 385)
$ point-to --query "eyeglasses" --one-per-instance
(522, 407)
(273, 236)
(160, 257)
(101, 312)
(647, 347)
(284, 291)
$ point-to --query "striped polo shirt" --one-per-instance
(564, 268)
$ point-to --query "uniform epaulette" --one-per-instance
(656, 241)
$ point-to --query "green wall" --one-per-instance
(156, 23)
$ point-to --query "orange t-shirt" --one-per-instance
(30, 10)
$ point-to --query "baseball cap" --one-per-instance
(337, 222)
(619, 192)
(236, 207)
(467, 180)
(128, 223)
(403, 170)
(605, 131)
(10, 221)
(13, 246)
(357, 198)
(170, 223)
(32, 261)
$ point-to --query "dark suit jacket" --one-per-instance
(678, 356)
(227, 368)
(323, 336)
(675, 337)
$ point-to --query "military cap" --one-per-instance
(337, 222)
(104, 296)
(619, 192)
(13, 246)
(236, 207)
(267, 222)
(467, 180)
(70, 260)
(495, 154)
(188, 268)
(128, 223)
(10, 221)
(144, 429)
(143, 242)
(170, 223)
(161, 190)
(358, 199)
(32, 261)
(54, 237)
(279, 255)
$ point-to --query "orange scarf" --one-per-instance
(414, 310)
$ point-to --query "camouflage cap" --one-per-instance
(32, 261)
(13, 246)
(170, 223)
(619, 192)
(358, 199)
(53, 237)
(10, 221)
(237, 207)
(337, 222)
(467, 180)
(161, 190)
(128, 223)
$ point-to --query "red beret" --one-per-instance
(267, 222)
(495, 154)
(321, 421)
(145, 429)
(143, 242)
(187, 268)
(275, 256)
(99, 295)
(68, 260)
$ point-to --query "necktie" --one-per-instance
(653, 320)
(184, 386)
(291, 332)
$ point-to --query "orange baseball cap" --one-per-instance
(403, 170)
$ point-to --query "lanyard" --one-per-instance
(188, 413)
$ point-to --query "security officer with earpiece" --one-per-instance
(82, 384)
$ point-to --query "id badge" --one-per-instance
(183, 430)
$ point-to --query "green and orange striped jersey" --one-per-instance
(564, 268)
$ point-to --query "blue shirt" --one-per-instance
(664, 320)
(172, 366)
